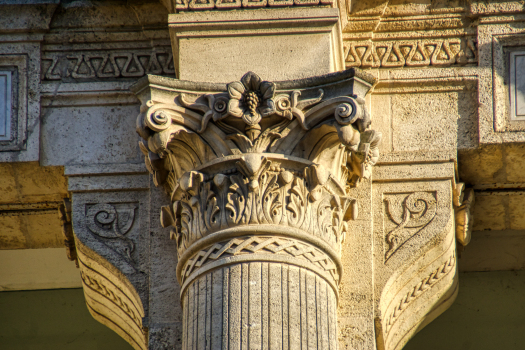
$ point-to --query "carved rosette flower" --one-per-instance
(251, 99)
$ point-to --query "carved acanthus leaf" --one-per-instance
(252, 116)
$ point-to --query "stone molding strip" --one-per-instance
(111, 303)
(424, 284)
(248, 4)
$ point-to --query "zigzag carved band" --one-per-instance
(260, 248)
(264, 230)
(426, 283)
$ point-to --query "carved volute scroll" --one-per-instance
(259, 175)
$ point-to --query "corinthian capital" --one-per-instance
(259, 175)
(320, 122)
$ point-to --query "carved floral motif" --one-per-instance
(241, 129)
(183, 129)
(111, 225)
(410, 213)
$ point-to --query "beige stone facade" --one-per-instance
(261, 174)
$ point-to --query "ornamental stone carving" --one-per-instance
(259, 174)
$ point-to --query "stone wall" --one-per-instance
(441, 79)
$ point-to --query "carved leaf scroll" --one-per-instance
(111, 224)
(410, 213)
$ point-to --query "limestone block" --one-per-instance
(515, 162)
(279, 44)
(415, 271)
(411, 106)
(30, 228)
(30, 183)
(100, 14)
(92, 134)
(516, 211)
(483, 165)
(26, 15)
(494, 7)
(29, 205)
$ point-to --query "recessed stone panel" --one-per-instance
(19, 102)
(517, 85)
(5, 105)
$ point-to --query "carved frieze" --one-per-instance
(411, 53)
(86, 65)
(237, 4)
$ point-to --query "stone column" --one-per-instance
(263, 181)
(260, 177)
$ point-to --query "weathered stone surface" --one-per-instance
(494, 251)
(29, 206)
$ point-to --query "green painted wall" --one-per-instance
(488, 314)
(52, 320)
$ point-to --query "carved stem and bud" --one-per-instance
(259, 175)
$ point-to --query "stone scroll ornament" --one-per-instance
(259, 175)
(110, 225)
